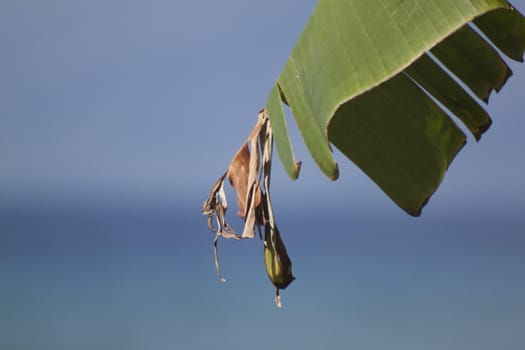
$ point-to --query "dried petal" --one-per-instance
(244, 168)
(215, 206)
(238, 172)
(209, 205)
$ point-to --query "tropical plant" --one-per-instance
(383, 81)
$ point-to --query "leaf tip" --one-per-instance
(334, 173)
(482, 129)
(297, 171)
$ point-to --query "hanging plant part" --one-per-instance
(278, 264)
(254, 204)
(276, 260)
(216, 205)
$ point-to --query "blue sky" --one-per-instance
(129, 94)
(153, 99)
(146, 102)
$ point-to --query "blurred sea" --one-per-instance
(141, 276)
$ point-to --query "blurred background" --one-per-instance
(117, 117)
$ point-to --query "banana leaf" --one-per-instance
(384, 81)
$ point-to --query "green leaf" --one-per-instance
(360, 78)
(395, 142)
(442, 87)
(473, 61)
(280, 130)
(510, 40)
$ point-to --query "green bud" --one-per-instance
(276, 260)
